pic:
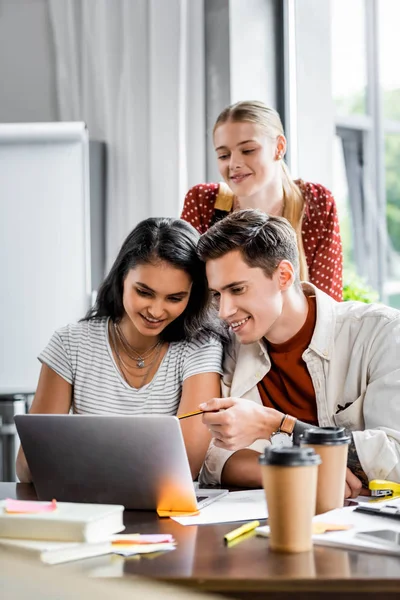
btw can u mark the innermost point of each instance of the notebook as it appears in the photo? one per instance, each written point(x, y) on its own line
point(70, 522)
point(54, 553)
point(137, 461)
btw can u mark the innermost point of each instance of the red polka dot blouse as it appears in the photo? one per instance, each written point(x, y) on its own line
point(321, 235)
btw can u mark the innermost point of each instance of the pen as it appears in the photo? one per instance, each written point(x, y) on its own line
point(232, 535)
point(393, 512)
point(192, 414)
point(196, 412)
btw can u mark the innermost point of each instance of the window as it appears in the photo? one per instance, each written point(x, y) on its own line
point(341, 193)
point(366, 91)
point(389, 15)
point(349, 71)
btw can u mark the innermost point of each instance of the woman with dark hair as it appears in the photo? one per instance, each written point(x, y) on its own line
point(150, 345)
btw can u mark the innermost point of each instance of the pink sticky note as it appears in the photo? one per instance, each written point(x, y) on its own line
point(154, 538)
point(25, 506)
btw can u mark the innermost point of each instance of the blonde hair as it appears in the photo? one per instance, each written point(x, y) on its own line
point(293, 200)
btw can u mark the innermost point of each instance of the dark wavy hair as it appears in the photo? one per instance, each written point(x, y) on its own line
point(175, 242)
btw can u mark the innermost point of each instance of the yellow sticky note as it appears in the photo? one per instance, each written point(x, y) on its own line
point(325, 527)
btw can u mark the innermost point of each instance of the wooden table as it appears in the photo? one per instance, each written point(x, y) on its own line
point(247, 570)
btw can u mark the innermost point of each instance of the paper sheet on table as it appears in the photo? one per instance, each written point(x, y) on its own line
point(360, 522)
point(318, 528)
point(236, 506)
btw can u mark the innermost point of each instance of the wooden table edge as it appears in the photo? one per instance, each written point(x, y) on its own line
point(330, 585)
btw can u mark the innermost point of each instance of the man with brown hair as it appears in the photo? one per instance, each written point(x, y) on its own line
point(297, 358)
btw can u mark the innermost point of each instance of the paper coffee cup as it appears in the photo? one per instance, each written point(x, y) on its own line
point(289, 478)
point(332, 444)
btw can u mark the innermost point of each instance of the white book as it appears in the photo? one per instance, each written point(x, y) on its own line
point(54, 553)
point(70, 522)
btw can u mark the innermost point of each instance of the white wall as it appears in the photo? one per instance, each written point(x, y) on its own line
point(27, 77)
point(45, 254)
point(315, 108)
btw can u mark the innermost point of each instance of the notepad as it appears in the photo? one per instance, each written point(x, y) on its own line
point(71, 522)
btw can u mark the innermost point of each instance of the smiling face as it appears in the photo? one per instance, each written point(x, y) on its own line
point(247, 158)
point(154, 295)
point(249, 301)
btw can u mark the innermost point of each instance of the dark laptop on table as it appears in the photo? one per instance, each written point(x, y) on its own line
point(137, 461)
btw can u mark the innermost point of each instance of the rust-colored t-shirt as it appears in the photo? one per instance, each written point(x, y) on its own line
point(288, 386)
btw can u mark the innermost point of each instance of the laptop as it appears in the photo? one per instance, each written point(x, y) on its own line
point(137, 461)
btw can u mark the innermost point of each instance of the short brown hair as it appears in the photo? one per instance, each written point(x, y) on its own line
point(263, 241)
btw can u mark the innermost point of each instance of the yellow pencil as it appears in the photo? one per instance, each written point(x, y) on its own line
point(192, 414)
point(232, 535)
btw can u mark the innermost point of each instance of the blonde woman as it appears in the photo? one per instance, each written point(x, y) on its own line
point(250, 146)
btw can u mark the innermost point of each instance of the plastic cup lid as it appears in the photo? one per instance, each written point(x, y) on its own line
point(330, 436)
point(290, 457)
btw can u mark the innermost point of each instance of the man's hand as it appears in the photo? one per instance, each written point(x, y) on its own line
point(353, 485)
point(236, 423)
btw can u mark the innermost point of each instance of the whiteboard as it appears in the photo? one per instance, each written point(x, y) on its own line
point(44, 242)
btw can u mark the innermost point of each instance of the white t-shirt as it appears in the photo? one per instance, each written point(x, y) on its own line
point(81, 354)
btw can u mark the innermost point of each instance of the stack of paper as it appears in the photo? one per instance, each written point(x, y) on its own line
point(359, 522)
point(58, 532)
point(53, 553)
point(236, 506)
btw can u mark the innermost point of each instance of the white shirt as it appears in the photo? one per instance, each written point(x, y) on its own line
point(354, 362)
